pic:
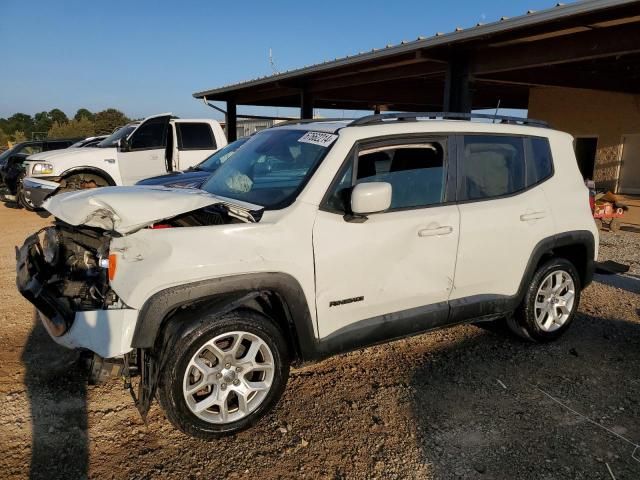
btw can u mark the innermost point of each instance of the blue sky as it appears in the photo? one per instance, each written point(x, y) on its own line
point(146, 57)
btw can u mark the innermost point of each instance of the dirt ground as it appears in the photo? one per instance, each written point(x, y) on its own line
point(458, 403)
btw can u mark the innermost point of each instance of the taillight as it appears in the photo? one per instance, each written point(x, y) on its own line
point(113, 262)
point(157, 226)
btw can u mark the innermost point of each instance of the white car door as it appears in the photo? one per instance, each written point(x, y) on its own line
point(144, 153)
point(504, 213)
point(195, 142)
point(392, 274)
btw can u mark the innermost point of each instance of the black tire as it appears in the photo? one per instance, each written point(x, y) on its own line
point(170, 388)
point(21, 199)
point(523, 322)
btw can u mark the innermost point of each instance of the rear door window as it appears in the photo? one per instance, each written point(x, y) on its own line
point(491, 166)
point(195, 136)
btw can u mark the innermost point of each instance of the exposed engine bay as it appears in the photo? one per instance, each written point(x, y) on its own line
point(213, 215)
point(63, 269)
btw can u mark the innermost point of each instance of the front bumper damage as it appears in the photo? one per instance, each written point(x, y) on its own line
point(37, 190)
point(106, 331)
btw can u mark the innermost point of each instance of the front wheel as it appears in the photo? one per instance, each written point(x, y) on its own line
point(227, 373)
point(550, 302)
point(22, 200)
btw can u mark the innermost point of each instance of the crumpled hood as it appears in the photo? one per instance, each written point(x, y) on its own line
point(127, 209)
point(51, 155)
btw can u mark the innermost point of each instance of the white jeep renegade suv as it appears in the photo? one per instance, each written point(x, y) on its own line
point(315, 238)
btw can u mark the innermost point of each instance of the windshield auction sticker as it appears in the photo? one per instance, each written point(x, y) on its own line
point(318, 138)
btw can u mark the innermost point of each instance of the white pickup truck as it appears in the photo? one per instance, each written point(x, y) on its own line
point(154, 146)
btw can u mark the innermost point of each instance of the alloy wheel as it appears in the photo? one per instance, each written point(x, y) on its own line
point(228, 377)
point(554, 300)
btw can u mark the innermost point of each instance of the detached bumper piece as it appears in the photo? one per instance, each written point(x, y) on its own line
point(37, 190)
point(32, 276)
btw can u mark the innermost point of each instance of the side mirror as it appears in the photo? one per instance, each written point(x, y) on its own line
point(124, 145)
point(370, 197)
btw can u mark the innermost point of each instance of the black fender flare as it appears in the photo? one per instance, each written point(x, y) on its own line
point(91, 170)
point(224, 294)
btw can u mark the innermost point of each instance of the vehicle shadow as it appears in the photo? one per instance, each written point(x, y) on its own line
point(57, 393)
point(628, 282)
point(491, 418)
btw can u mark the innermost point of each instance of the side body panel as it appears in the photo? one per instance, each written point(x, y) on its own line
point(384, 265)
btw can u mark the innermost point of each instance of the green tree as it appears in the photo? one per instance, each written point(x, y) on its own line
point(57, 115)
point(74, 128)
point(84, 113)
point(42, 122)
point(19, 122)
point(109, 119)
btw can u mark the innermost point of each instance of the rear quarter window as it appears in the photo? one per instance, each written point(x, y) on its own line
point(539, 161)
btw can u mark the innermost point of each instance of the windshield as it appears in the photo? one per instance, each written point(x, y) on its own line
point(212, 163)
point(271, 168)
point(112, 140)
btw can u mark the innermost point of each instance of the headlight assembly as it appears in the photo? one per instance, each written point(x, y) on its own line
point(42, 169)
point(50, 246)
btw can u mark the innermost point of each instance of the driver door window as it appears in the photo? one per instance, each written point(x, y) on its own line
point(416, 172)
point(151, 135)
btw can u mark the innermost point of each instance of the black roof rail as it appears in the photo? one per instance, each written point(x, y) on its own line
point(302, 121)
point(416, 116)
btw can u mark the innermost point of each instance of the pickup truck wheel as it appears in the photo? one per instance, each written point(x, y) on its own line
point(550, 302)
point(23, 201)
point(228, 372)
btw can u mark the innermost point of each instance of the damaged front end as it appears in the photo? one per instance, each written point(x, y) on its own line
point(63, 270)
point(66, 271)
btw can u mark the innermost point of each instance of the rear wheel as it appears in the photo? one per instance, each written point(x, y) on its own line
point(227, 373)
point(550, 302)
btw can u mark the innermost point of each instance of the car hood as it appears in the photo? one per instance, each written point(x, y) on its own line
point(193, 178)
point(68, 152)
point(128, 209)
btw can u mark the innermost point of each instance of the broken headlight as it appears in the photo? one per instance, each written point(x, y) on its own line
point(50, 246)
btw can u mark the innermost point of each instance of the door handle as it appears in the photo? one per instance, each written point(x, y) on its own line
point(526, 217)
point(432, 232)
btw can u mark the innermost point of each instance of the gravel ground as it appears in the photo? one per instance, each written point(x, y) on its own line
point(458, 403)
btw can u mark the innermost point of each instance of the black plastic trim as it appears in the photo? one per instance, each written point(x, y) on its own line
point(227, 290)
point(385, 328)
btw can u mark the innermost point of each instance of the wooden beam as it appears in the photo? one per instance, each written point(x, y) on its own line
point(422, 69)
point(596, 43)
point(604, 77)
